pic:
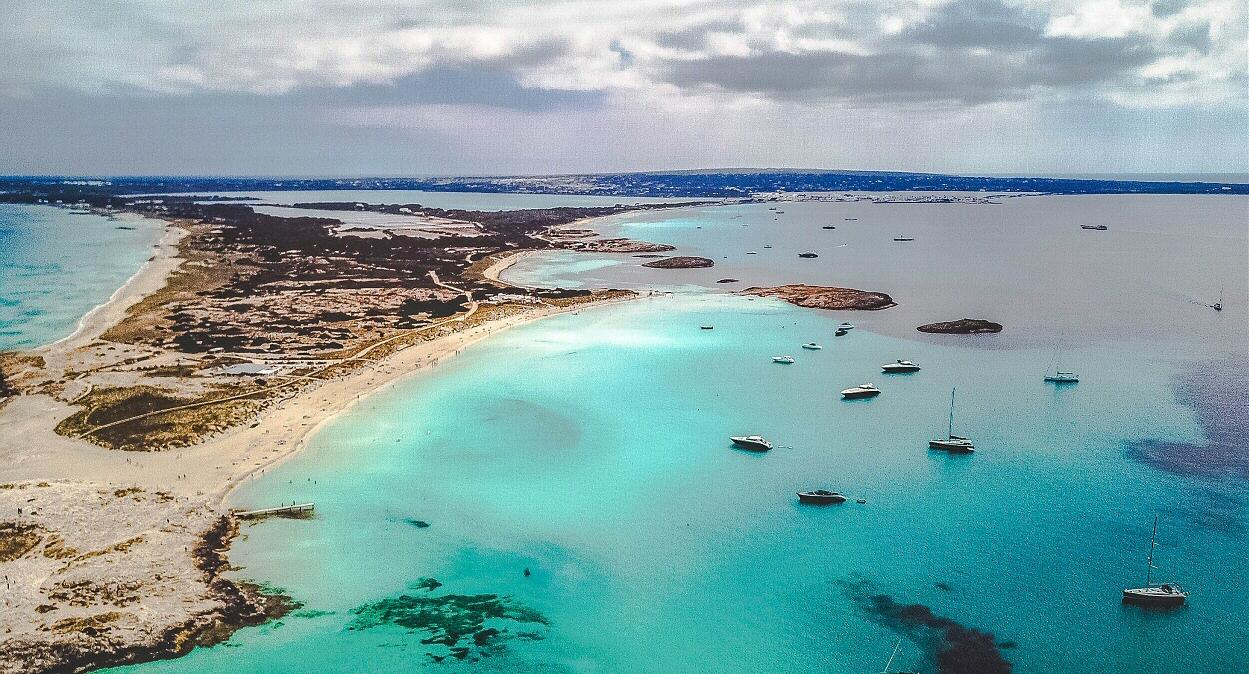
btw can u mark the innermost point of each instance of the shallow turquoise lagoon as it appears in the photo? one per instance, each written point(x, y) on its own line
point(592, 450)
point(55, 266)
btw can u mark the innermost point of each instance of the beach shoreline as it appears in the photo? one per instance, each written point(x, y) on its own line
point(193, 483)
point(147, 279)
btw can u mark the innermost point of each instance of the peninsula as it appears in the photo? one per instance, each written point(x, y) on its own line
point(240, 336)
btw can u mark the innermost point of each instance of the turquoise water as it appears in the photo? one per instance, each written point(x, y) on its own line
point(591, 449)
point(56, 266)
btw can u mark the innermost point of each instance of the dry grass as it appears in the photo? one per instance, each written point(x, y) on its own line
point(200, 272)
point(17, 539)
point(163, 429)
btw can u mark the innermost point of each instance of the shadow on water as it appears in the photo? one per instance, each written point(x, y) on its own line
point(1216, 392)
point(952, 647)
point(460, 626)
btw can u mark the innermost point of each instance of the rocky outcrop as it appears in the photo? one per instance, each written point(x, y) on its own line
point(114, 577)
point(823, 297)
point(680, 262)
point(618, 246)
point(963, 326)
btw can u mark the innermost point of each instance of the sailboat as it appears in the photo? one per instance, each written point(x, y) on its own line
point(952, 443)
point(1059, 376)
point(1165, 594)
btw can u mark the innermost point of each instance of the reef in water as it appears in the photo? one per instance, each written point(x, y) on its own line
point(952, 647)
point(460, 626)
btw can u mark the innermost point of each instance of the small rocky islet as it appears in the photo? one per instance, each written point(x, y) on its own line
point(680, 262)
point(825, 297)
point(963, 326)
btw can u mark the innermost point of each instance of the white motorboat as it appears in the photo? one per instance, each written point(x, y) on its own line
point(787, 360)
point(755, 443)
point(860, 391)
point(900, 366)
point(812, 346)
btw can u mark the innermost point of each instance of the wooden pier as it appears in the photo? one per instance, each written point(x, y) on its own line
point(293, 510)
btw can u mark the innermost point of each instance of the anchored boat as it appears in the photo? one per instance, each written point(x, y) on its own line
point(755, 443)
point(900, 366)
point(955, 444)
point(860, 391)
point(1164, 594)
point(787, 360)
point(820, 497)
point(812, 346)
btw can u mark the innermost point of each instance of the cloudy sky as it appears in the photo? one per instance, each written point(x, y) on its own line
point(384, 87)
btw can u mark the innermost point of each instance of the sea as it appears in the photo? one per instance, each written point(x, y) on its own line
point(563, 496)
point(56, 265)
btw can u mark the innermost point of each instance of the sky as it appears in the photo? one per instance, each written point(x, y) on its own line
point(466, 87)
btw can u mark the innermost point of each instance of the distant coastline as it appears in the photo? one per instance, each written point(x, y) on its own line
point(715, 183)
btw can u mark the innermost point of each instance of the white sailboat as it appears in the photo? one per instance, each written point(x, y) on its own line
point(1164, 594)
point(952, 443)
point(1058, 376)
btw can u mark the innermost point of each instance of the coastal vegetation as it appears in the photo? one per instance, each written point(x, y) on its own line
point(824, 297)
point(963, 326)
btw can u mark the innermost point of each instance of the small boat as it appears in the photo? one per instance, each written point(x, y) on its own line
point(807, 255)
point(903, 238)
point(829, 227)
point(846, 326)
point(707, 327)
point(767, 245)
point(752, 252)
point(812, 346)
point(841, 332)
point(900, 366)
point(1165, 594)
point(860, 391)
point(955, 444)
point(849, 218)
point(821, 497)
point(1098, 228)
point(1059, 376)
point(788, 360)
point(755, 443)
point(1218, 306)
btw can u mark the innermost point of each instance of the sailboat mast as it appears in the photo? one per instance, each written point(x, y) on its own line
point(889, 664)
point(949, 431)
point(1153, 542)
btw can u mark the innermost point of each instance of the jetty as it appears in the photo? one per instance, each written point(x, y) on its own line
point(292, 510)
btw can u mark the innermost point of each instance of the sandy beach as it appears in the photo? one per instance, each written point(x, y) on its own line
point(30, 449)
point(160, 501)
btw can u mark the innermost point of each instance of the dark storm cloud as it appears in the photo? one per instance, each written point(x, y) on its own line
point(451, 85)
point(966, 53)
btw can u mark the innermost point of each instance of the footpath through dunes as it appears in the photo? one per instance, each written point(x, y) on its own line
point(243, 335)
